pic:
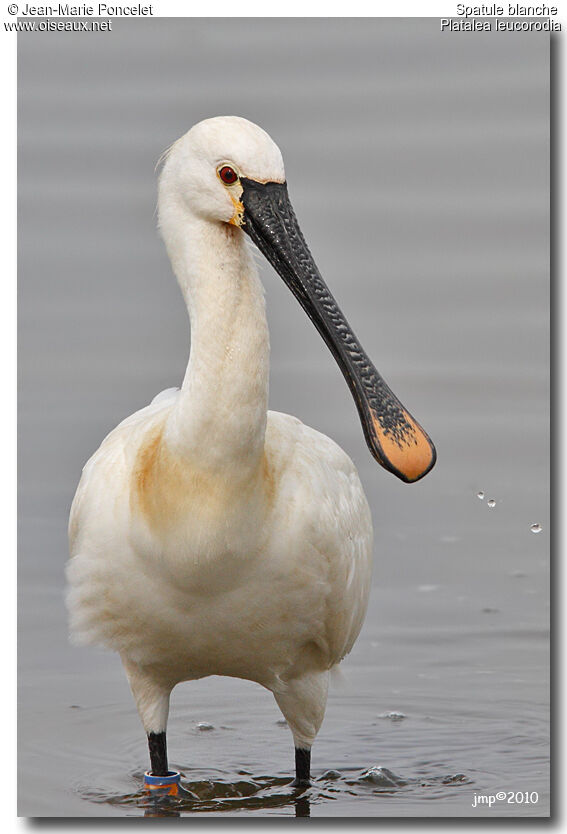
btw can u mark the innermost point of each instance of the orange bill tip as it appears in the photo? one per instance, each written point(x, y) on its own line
point(405, 450)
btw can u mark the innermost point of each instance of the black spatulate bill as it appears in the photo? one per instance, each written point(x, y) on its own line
point(394, 437)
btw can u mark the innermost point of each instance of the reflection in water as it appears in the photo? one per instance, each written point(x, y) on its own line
point(267, 793)
point(302, 809)
point(166, 806)
point(302, 806)
point(263, 793)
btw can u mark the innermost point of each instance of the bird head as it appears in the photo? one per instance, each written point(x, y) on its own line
point(228, 170)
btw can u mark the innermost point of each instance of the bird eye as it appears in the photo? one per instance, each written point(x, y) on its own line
point(228, 175)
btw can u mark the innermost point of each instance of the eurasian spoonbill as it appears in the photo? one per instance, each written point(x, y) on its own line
point(208, 535)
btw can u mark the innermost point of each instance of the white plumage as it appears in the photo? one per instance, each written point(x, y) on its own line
point(208, 535)
point(273, 588)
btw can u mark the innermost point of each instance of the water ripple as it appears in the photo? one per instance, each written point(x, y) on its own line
point(265, 793)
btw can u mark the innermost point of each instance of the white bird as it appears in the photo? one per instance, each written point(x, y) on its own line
point(208, 535)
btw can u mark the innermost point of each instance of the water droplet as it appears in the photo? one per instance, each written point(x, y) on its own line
point(480, 495)
point(491, 503)
point(536, 528)
point(204, 726)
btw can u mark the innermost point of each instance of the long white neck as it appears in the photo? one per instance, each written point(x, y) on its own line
point(220, 416)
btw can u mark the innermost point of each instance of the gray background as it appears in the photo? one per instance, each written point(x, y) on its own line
point(418, 164)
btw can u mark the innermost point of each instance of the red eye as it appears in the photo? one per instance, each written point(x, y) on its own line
point(228, 175)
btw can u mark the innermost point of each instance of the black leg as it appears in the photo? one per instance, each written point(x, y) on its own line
point(302, 768)
point(158, 754)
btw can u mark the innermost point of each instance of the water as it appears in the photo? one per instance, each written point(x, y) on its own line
point(464, 732)
point(440, 262)
point(472, 686)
